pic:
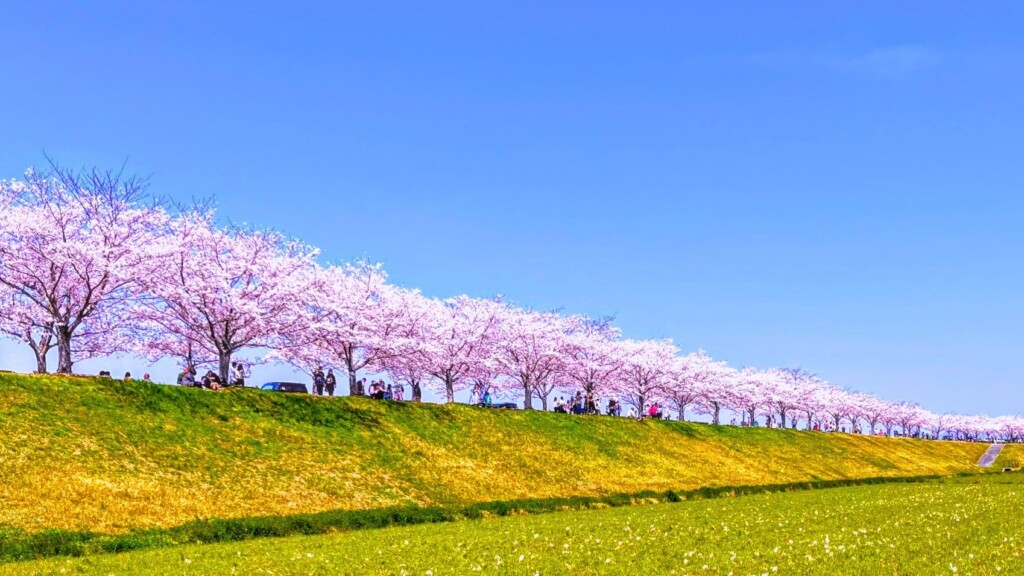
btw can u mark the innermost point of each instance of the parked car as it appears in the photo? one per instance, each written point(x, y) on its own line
point(500, 405)
point(285, 387)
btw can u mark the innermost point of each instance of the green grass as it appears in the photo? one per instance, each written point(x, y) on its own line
point(85, 454)
point(1011, 456)
point(19, 545)
point(956, 526)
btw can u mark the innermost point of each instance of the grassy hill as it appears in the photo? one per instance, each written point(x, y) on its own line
point(106, 456)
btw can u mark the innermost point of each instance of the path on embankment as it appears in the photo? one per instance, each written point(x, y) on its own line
point(990, 455)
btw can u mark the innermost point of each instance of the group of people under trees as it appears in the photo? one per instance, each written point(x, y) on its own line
point(324, 383)
point(586, 403)
point(127, 376)
point(189, 377)
point(378, 389)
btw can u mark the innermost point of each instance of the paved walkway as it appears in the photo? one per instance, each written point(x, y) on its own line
point(990, 455)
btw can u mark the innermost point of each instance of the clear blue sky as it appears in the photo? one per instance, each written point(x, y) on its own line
point(782, 184)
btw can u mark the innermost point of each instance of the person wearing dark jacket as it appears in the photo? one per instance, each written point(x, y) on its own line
point(331, 382)
point(319, 382)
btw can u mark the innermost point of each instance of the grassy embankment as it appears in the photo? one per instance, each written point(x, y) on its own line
point(1011, 456)
point(110, 457)
point(963, 525)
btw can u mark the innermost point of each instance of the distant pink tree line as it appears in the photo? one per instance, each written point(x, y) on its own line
point(91, 265)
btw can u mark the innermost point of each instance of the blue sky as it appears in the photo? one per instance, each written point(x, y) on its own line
point(794, 184)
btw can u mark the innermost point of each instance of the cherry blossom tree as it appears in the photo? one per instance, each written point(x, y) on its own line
point(646, 370)
point(714, 389)
point(788, 390)
point(225, 290)
point(458, 341)
point(693, 380)
point(73, 247)
point(355, 321)
point(869, 409)
point(589, 355)
point(749, 393)
point(528, 348)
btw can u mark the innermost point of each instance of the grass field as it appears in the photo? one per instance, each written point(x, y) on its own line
point(106, 456)
point(1011, 456)
point(956, 526)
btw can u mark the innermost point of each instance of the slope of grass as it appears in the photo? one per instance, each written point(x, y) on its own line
point(965, 526)
point(106, 456)
point(1011, 456)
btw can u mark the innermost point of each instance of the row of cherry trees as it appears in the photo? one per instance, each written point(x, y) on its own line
point(90, 266)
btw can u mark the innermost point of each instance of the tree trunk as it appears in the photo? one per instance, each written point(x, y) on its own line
point(63, 350)
point(225, 366)
point(352, 383)
point(353, 390)
point(417, 392)
point(449, 389)
point(39, 350)
point(716, 412)
point(528, 395)
point(782, 418)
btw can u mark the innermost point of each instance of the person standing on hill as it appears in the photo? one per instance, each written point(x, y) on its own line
point(331, 382)
point(319, 382)
point(238, 374)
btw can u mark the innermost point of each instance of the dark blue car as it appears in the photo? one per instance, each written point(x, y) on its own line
point(285, 387)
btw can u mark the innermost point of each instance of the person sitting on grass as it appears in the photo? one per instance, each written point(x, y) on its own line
point(187, 378)
point(377, 390)
point(654, 411)
point(127, 376)
point(399, 393)
point(211, 381)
